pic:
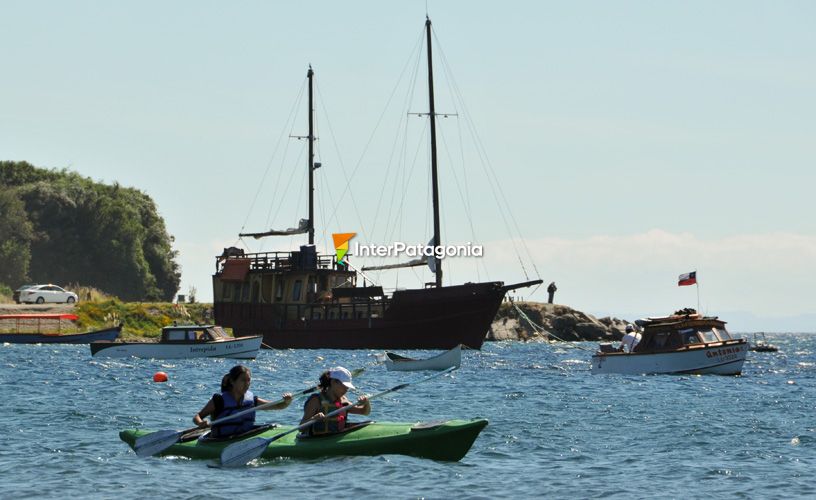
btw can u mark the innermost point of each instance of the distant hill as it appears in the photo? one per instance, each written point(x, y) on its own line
point(59, 227)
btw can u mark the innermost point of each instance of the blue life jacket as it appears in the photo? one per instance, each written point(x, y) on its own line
point(329, 425)
point(230, 406)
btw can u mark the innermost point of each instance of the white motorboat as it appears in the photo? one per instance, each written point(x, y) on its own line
point(180, 342)
point(397, 363)
point(681, 343)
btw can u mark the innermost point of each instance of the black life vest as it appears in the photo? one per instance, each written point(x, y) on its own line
point(229, 406)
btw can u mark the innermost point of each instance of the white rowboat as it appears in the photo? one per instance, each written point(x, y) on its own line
point(397, 363)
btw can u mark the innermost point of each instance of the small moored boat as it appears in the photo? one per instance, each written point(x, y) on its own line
point(762, 344)
point(181, 342)
point(397, 363)
point(680, 343)
point(14, 329)
point(449, 440)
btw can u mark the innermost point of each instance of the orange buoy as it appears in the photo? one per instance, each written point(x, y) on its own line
point(159, 377)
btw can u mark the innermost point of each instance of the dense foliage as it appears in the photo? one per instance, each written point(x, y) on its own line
point(15, 238)
point(59, 227)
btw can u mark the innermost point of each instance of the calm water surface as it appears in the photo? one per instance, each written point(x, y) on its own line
point(555, 430)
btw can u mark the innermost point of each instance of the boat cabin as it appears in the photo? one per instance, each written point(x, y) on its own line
point(193, 333)
point(291, 286)
point(670, 333)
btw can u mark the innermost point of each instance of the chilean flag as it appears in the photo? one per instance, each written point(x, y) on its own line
point(687, 279)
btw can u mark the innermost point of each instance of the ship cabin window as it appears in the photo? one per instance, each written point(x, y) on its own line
point(256, 291)
point(345, 315)
point(324, 283)
point(245, 292)
point(316, 315)
point(311, 289)
point(708, 336)
point(689, 336)
point(721, 333)
point(296, 290)
point(279, 290)
point(226, 291)
point(359, 314)
point(332, 314)
point(176, 335)
point(236, 292)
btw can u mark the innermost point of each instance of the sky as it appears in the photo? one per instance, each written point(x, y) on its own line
point(617, 144)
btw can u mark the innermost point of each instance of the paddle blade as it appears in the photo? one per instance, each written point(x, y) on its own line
point(243, 452)
point(155, 442)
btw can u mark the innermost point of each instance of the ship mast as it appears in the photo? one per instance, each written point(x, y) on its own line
point(310, 74)
point(437, 241)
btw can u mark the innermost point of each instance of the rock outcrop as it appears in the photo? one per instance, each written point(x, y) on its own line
point(552, 322)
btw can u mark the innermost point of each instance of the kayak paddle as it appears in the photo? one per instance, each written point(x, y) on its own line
point(243, 452)
point(157, 442)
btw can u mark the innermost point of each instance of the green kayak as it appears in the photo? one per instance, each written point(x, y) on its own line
point(448, 440)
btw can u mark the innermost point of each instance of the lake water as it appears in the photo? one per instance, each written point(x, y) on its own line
point(555, 430)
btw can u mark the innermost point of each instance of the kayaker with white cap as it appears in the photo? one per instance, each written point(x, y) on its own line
point(334, 384)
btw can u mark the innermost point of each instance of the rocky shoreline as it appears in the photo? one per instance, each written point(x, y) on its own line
point(552, 322)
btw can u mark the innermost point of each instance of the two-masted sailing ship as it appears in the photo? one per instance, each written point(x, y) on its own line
point(302, 299)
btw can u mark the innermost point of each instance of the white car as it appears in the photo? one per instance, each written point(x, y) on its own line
point(47, 293)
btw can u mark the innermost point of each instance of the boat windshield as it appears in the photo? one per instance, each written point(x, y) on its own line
point(217, 332)
point(707, 334)
point(689, 336)
point(721, 333)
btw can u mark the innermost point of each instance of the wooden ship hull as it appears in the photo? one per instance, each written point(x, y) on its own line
point(432, 318)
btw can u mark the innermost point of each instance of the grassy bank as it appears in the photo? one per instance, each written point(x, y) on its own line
point(140, 319)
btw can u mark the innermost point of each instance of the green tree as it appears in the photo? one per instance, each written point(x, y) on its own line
point(15, 239)
point(100, 235)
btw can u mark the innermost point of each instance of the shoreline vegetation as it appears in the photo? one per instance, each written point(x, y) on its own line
point(144, 320)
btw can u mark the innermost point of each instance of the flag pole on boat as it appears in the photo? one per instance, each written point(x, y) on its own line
point(687, 279)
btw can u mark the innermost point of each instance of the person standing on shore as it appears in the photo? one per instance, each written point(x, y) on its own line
point(551, 290)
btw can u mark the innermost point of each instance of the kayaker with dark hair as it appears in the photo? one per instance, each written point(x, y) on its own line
point(235, 396)
point(334, 384)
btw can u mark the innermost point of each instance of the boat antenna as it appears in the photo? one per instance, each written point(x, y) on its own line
point(310, 75)
point(434, 178)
